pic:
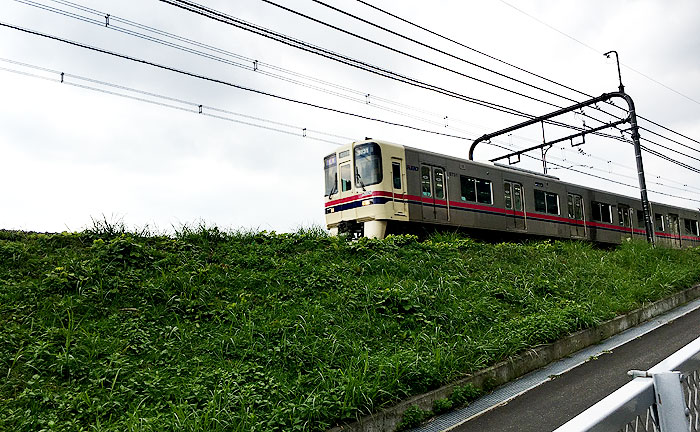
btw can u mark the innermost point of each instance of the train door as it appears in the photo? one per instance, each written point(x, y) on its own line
point(624, 216)
point(575, 208)
point(674, 228)
point(515, 206)
point(397, 187)
point(345, 170)
point(433, 193)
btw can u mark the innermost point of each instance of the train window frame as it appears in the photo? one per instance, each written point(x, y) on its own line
point(624, 216)
point(517, 196)
point(367, 159)
point(543, 202)
point(396, 175)
point(330, 170)
point(658, 217)
point(640, 219)
point(599, 209)
point(345, 182)
point(474, 189)
point(507, 194)
point(439, 183)
point(690, 227)
point(426, 180)
point(575, 212)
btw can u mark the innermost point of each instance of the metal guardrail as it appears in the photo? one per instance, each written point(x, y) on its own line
point(666, 398)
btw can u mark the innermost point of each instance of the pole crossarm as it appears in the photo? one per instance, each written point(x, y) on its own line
point(631, 118)
point(566, 138)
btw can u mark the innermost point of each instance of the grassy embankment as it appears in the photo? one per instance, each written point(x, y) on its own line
point(206, 330)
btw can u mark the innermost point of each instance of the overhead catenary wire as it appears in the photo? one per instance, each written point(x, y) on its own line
point(421, 59)
point(222, 82)
point(117, 19)
point(197, 109)
point(451, 40)
point(597, 51)
point(261, 69)
point(224, 18)
point(296, 43)
point(193, 108)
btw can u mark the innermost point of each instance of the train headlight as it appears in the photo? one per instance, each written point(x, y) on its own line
point(366, 202)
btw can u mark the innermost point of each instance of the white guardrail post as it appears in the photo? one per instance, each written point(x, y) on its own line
point(666, 398)
point(669, 402)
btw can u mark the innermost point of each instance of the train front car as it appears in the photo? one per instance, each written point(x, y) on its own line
point(365, 188)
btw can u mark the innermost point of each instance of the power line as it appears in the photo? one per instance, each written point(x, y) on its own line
point(229, 20)
point(226, 83)
point(434, 64)
point(253, 65)
point(530, 73)
point(467, 138)
point(599, 52)
point(196, 108)
point(416, 57)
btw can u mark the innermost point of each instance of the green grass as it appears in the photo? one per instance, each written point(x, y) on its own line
point(210, 330)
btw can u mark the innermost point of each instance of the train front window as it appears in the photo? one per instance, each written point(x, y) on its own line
point(345, 177)
point(330, 168)
point(368, 164)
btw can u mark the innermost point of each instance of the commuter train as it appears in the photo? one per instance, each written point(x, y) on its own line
point(374, 188)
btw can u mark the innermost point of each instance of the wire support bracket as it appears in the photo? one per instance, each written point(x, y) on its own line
point(634, 128)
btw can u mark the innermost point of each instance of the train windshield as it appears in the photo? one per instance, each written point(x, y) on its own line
point(330, 167)
point(368, 164)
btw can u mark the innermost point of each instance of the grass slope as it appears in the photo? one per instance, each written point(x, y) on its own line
point(207, 330)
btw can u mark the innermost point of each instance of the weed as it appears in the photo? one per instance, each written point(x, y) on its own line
point(114, 330)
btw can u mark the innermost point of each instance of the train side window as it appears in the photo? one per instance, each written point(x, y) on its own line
point(546, 202)
point(507, 194)
point(601, 212)
point(396, 174)
point(483, 191)
point(468, 188)
point(476, 190)
point(552, 203)
point(575, 206)
point(540, 203)
point(426, 188)
point(517, 196)
point(640, 219)
point(345, 178)
point(623, 215)
point(691, 226)
point(658, 222)
point(439, 183)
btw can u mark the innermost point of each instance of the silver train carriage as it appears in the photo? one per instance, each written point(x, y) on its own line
point(374, 187)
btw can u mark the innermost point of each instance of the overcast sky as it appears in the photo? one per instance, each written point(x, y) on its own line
point(71, 154)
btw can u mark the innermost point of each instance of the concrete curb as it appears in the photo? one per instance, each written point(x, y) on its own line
point(514, 367)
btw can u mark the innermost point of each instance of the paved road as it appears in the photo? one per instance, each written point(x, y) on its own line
point(553, 403)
